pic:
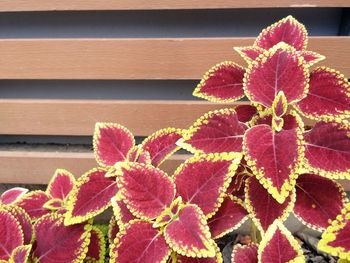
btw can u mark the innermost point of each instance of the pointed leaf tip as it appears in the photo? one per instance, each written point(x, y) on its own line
point(111, 142)
point(287, 30)
point(61, 184)
point(274, 157)
point(189, 234)
point(263, 208)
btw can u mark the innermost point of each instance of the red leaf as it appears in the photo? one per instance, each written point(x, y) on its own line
point(24, 220)
point(146, 190)
point(249, 53)
point(97, 246)
point(313, 206)
point(278, 245)
point(287, 30)
point(11, 235)
point(21, 254)
point(311, 57)
point(189, 234)
point(222, 83)
point(139, 242)
point(245, 112)
point(245, 254)
point(263, 208)
point(217, 131)
point(12, 195)
point(121, 212)
point(111, 142)
point(328, 97)
point(91, 196)
point(203, 179)
point(56, 242)
point(335, 240)
point(61, 184)
point(278, 69)
point(231, 215)
point(162, 144)
point(274, 157)
point(327, 150)
point(33, 204)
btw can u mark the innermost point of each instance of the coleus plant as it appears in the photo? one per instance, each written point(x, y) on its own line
point(259, 160)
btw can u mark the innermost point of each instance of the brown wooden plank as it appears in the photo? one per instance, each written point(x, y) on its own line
point(175, 58)
point(62, 5)
point(78, 117)
point(21, 167)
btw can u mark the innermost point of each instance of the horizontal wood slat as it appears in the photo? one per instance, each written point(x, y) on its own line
point(38, 167)
point(61, 5)
point(177, 58)
point(78, 117)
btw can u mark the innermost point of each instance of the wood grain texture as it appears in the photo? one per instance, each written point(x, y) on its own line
point(78, 117)
point(63, 5)
point(177, 58)
point(37, 167)
point(27, 167)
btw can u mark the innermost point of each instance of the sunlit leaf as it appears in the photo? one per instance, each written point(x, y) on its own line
point(139, 242)
point(328, 98)
point(33, 203)
point(215, 132)
point(91, 196)
point(263, 208)
point(319, 200)
point(231, 215)
point(61, 184)
point(161, 144)
point(278, 69)
point(112, 143)
point(146, 190)
point(203, 179)
point(327, 150)
point(189, 234)
point(222, 83)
